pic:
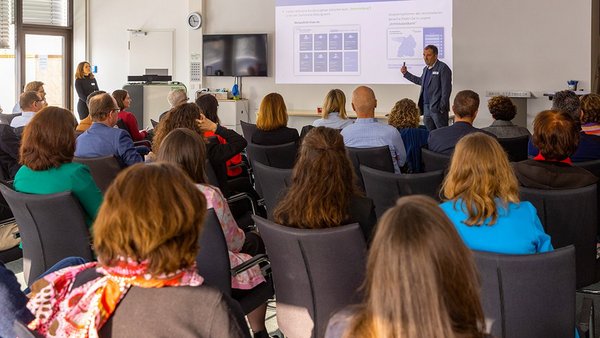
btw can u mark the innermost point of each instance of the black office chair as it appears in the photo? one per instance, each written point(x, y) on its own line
point(213, 265)
point(52, 227)
point(316, 273)
point(378, 158)
point(515, 147)
point(7, 118)
point(248, 130)
point(385, 188)
point(570, 217)
point(103, 169)
point(591, 166)
point(277, 156)
point(433, 161)
point(529, 295)
point(273, 182)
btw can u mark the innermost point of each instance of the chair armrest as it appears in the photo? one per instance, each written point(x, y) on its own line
point(242, 196)
point(585, 321)
point(258, 259)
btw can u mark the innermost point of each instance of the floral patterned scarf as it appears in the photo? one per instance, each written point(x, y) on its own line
point(63, 311)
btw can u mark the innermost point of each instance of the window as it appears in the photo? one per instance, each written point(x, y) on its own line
point(46, 12)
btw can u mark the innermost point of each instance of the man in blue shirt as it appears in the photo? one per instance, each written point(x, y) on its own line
point(367, 132)
point(101, 139)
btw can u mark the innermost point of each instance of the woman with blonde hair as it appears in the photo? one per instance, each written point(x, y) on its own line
point(141, 244)
point(405, 117)
point(421, 280)
point(85, 84)
point(323, 192)
point(333, 114)
point(271, 122)
point(482, 200)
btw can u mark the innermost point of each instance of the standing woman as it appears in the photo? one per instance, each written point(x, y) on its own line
point(85, 84)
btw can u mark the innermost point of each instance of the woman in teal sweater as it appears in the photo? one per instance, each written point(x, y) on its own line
point(47, 150)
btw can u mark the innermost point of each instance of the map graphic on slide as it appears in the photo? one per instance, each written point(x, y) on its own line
point(327, 50)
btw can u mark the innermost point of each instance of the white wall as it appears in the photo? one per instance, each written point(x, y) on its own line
point(109, 21)
point(534, 45)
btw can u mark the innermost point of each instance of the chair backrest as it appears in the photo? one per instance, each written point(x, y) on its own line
point(213, 257)
point(515, 147)
point(121, 125)
point(529, 295)
point(305, 130)
point(52, 227)
point(570, 216)
point(7, 118)
point(154, 123)
point(19, 131)
point(248, 130)
point(273, 182)
point(377, 158)
point(433, 161)
point(385, 188)
point(591, 166)
point(278, 156)
point(103, 169)
point(316, 272)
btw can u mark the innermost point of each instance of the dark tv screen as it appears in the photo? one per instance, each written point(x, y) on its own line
point(235, 55)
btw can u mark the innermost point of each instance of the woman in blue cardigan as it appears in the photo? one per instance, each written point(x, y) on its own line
point(483, 201)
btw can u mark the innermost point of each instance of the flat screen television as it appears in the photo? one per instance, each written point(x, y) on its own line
point(235, 55)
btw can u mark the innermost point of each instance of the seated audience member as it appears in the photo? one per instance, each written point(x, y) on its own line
point(589, 137)
point(186, 148)
point(33, 86)
point(271, 122)
point(323, 191)
point(175, 97)
point(465, 108)
point(333, 112)
point(405, 117)
point(566, 101)
point(209, 105)
point(188, 116)
point(46, 154)
point(86, 123)
point(482, 200)
point(30, 102)
point(9, 152)
point(101, 139)
point(503, 110)
point(367, 132)
point(14, 301)
point(421, 280)
point(141, 243)
point(124, 101)
point(556, 135)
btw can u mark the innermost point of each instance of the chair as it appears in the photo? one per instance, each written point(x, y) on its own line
point(529, 295)
point(385, 188)
point(316, 273)
point(103, 169)
point(305, 130)
point(19, 131)
point(7, 118)
point(591, 166)
point(570, 217)
point(248, 130)
point(433, 161)
point(281, 156)
point(213, 265)
point(154, 123)
point(515, 147)
point(211, 177)
point(22, 331)
point(52, 227)
point(377, 157)
point(274, 182)
point(121, 124)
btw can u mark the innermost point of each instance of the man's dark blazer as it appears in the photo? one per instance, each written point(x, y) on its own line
point(439, 87)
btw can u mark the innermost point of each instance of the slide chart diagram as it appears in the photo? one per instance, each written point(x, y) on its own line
point(327, 50)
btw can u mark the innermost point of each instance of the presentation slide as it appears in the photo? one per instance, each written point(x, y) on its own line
point(358, 42)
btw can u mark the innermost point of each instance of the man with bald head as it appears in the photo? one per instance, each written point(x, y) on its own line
point(367, 132)
point(101, 139)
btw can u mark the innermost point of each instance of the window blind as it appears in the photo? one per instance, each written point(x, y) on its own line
point(45, 12)
point(5, 21)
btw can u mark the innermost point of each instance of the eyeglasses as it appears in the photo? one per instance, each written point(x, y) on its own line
point(115, 110)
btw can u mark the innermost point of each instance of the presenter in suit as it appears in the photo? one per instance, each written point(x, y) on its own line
point(436, 86)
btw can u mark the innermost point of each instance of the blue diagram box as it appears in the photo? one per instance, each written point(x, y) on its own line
point(335, 41)
point(336, 61)
point(351, 41)
point(306, 41)
point(306, 62)
point(434, 36)
point(320, 42)
point(350, 61)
